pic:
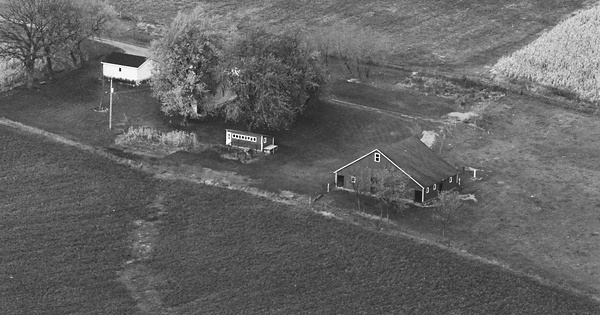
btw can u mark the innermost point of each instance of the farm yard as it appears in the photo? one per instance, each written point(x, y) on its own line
point(82, 234)
point(172, 245)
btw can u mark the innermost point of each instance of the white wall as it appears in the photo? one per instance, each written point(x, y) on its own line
point(125, 73)
point(145, 71)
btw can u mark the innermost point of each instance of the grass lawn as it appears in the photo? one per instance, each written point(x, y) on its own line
point(539, 166)
point(457, 35)
point(71, 224)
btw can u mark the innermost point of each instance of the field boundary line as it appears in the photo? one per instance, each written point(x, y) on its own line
point(383, 111)
point(60, 139)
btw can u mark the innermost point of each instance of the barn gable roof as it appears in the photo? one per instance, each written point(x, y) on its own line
point(416, 160)
point(127, 60)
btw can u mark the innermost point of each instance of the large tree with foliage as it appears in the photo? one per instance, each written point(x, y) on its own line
point(273, 76)
point(189, 63)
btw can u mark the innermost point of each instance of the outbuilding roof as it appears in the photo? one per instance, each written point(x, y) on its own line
point(416, 160)
point(125, 59)
point(245, 133)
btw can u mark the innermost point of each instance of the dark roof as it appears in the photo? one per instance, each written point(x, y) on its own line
point(419, 161)
point(246, 133)
point(125, 59)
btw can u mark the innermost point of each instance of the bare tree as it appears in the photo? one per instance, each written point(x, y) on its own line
point(447, 210)
point(25, 28)
point(390, 187)
point(359, 47)
point(33, 30)
point(89, 18)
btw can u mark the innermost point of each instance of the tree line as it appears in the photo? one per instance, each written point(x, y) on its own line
point(45, 32)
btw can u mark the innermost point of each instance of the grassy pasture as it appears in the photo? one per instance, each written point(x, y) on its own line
point(449, 34)
point(217, 251)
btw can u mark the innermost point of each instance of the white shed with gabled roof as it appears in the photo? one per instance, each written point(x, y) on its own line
point(125, 67)
point(250, 140)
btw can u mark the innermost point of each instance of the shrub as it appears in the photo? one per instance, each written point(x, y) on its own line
point(174, 139)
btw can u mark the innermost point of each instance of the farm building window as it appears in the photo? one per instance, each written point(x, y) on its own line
point(427, 190)
point(450, 179)
point(119, 69)
point(377, 157)
point(434, 186)
point(253, 139)
point(353, 179)
point(228, 136)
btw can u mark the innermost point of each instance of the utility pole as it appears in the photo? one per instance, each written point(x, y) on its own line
point(110, 106)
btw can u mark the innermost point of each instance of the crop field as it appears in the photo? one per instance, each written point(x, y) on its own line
point(71, 225)
point(566, 57)
point(452, 34)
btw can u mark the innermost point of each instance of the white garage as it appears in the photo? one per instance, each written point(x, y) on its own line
point(125, 67)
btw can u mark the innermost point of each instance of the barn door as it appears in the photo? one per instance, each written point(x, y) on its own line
point(418, 195)
point(340, 181)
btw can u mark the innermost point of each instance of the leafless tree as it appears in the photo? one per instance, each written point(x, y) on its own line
point(358, 46)
point(447, 210)
point(34, 30)
point(25, 28)
point(390, 187)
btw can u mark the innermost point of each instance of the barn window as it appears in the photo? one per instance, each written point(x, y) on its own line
point(353, 179)
point(433, 186)
point(450, 179)
point(228, 136)
point(253, 139)
point(427, 190)
point(377, 157)
point(119, 69)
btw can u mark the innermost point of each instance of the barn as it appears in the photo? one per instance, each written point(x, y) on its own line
point(250, 140)
point(128, 68)
point(427, 172)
